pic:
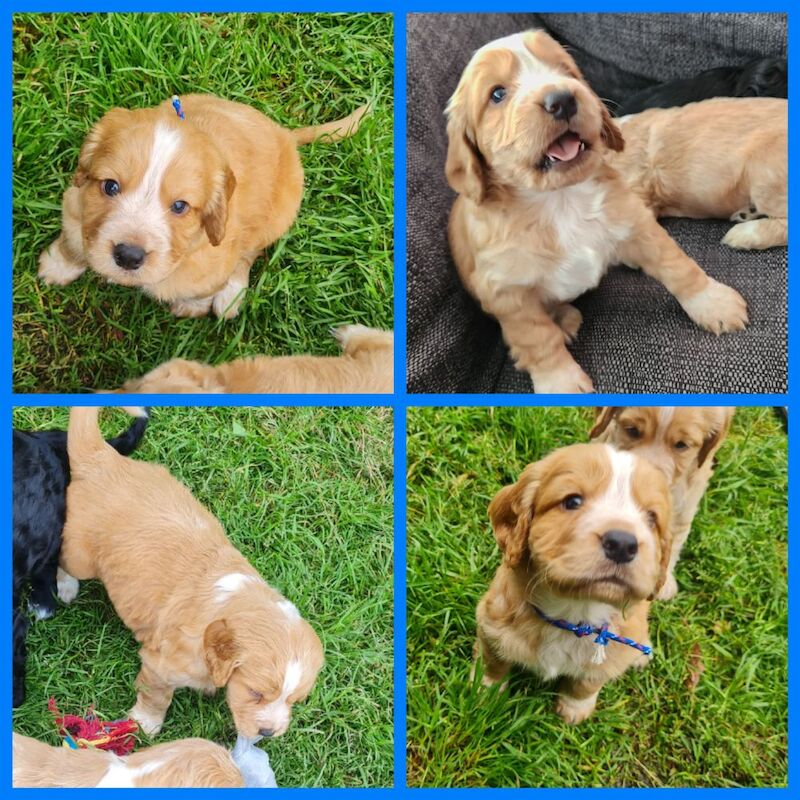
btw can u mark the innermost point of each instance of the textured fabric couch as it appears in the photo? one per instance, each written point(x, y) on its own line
point(635, 337)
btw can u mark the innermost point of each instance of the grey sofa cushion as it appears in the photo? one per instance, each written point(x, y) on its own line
point(635, 336)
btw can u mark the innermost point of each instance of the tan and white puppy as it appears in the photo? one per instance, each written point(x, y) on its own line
point(186, 763)
point(203, 616)
point(182, 208)
point(584, 535)
point(541, 214)
point(681, 441)
point(725, 158)
point(365, 366)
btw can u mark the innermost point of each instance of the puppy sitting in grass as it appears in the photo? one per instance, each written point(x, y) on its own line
point(585, 540)
point(180, 201)
point(203, 616)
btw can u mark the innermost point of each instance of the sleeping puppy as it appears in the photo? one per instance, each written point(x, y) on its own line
point(761, 77)
point(681, 443)
point(540, 214)
point(365, 366)
point(41, 475)
point(584, 535)
point(203, 616)
point(182, 207)
point(195, 763)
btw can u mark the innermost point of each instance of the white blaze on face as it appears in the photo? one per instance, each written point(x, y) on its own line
point(276, 715)
point(665, 415)
point(289, 610)
point(230, 583)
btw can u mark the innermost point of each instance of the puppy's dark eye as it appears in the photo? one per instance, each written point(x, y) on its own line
point(572, 502)
point(652, 519)
point(179, 207)
point(257, 696)
point(633, 432)
point(109, 187)
point(680, 445)
point(497, 94)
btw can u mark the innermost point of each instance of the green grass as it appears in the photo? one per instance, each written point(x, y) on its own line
point(306, 496)
point(334, 265)
point(649, 728)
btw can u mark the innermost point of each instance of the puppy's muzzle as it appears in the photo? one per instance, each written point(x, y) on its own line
point(619, 546)
point(561, 104)
point(266, 732)
point(128, 256)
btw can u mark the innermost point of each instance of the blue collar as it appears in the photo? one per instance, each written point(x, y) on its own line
point(604, 635)
point(176, 104)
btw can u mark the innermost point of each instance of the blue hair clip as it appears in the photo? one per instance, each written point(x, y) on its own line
point(176, 104)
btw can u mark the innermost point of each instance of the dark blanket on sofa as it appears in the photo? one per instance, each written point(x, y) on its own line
point(635, 337)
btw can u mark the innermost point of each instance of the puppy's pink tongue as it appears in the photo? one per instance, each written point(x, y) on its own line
point(566, 147)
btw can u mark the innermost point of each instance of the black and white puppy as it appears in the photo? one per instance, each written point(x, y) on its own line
point(762, 77)
point(41, 475)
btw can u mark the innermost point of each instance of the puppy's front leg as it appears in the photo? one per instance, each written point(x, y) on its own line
point(495, 670)
point(154, 696)
point(712, 305)
point(577, 700)
point(227, 301)
point(63, 262)
point(537, 343)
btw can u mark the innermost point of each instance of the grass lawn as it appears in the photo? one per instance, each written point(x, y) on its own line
point(650, 728)
point(306, 496)
point(334, 265)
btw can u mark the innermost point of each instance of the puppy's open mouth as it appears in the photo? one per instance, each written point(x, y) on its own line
point(566, 149)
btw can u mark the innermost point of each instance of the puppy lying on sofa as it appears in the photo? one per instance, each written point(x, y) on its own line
point(585, 538)
point(202, 615)
point(181, 207)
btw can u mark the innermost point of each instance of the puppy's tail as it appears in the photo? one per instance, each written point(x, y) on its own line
point(127, 442)
point(84, 440)
point(334, 131)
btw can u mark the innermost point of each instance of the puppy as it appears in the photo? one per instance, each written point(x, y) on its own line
point(761, 77)
point(681, 442)
point(365, 366)
point(585, 540)
point(195, 763)
point(182, 207)
point(668, 162)
point(41, 475)
point(540, 214)
point(203, 616)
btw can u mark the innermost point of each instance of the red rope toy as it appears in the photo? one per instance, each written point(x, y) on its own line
point(89, 731)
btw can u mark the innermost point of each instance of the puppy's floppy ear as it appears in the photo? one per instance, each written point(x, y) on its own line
point(214, 217)
point(716, 436)
point(610, 131)
point(511, 513)
point(664, 531)
point(466, 169)
point(221, 652)
point(602, 419)
point(112, 120)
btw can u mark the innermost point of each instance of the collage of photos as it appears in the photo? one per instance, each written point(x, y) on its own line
point(539, 539)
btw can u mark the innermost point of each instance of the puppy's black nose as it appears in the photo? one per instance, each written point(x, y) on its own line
point(561, 104)
point(619, 546)
point(265, 732)
point(128, 256)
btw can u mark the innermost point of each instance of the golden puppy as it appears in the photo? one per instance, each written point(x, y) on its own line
point(203, 616)
point(541, 214)
point(365, 366)
point(585, 540)
point(725, 158)
point(681, 442)
point(182, 207)
point(195, 763)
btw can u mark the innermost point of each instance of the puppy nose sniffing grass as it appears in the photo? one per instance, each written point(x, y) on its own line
point(181, 206)
point(202, 615)
point(585, 539)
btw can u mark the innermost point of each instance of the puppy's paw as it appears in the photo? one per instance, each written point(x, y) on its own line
point(354, 337)
point(41, 611)
point(54, 270)
point(488, 681)
point(191, 308)
point(570, 379)
point(569, 319)
point(149, 723)
point(669, 589)
point(717, 308)
point(66, 586)
point(574, 711)
point(748, 236)
point(227, 302)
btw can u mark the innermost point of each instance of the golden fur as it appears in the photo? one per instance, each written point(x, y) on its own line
point(554, 559)
point(239, 172)
point(186, 763)
point(365, 366)
point(725, 158)
point(681, 442)
point(530, 230)
point(202, 615)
